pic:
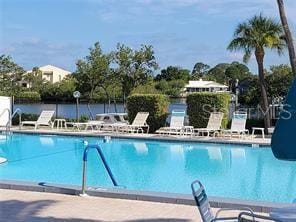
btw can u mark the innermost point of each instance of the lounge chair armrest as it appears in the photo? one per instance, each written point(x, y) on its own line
point(200, 129)
point(233, 209)
point(224, 219)
point(256, 216)
point(137, 126)
point(29, 121)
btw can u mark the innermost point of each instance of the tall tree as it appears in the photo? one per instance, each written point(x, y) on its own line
point(10, 74)
point(249, 91)
point(199, 70)
point(236, 72)
point(279, 80)
point(288, 35)
point(217, 73)
point(173, 73)
point(93, 71)
point(255, 35)
point(133, 67)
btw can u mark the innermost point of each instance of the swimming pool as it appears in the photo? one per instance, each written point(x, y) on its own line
point(233, 171)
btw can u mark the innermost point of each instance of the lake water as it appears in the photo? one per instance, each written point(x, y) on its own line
point(69, 110)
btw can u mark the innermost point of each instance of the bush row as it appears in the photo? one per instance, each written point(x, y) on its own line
point(23, 97)
point(155, 104)
point(200, 105)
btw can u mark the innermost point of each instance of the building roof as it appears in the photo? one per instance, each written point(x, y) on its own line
point(52, 68)
point(204, 84)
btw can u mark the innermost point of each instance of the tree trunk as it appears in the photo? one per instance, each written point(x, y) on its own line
point(288, 35)
point(259, 53)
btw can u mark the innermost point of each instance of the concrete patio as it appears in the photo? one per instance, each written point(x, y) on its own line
point(35, 206)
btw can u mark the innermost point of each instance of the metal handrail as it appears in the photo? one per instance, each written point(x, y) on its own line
point(19, 112)
point(9, 116)
point(97, 147)
point(4, 110)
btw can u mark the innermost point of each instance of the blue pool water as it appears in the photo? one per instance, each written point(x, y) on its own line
point(234, 171)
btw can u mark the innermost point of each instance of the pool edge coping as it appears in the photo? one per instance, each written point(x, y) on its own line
point(262, 144)
point(151, 196)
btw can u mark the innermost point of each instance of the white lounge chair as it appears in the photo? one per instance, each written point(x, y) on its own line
point(110, 121)
point(214, 125)
point(43, 120)
point(138, 125)
point(176, 124)
point(235, 214)
point(238, 125)
point(204, 207)
point(94, 124)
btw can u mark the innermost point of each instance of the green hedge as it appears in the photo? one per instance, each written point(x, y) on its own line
point(200, 105)
point(29, 96)
point(155, 104)
point(26, 96)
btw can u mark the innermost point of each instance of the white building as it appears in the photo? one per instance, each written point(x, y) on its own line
point(50, 73)
point(204, 86)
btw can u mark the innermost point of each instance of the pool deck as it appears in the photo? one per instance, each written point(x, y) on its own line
point(235, 140)
point(35, 207)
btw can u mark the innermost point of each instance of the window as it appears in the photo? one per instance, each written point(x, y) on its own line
point(48, 76)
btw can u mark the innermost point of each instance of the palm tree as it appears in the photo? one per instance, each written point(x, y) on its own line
point(288, 35)
point(255, 35)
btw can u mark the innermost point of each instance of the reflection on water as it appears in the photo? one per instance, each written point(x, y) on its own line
point(226, 170)
point(215, 153)
point(46, 141)
point(141, 148)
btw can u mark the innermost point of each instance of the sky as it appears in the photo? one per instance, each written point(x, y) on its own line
point(182, 32)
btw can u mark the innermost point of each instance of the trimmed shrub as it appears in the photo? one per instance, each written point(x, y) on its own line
point(200, 105)
point(29, 96)
point(155, 104)
point(23, 97)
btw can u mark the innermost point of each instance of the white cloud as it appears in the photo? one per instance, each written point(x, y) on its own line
point(41, 52)
point(228, 8)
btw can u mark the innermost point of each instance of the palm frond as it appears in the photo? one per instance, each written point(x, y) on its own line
point(247, 55)
point(258, 32)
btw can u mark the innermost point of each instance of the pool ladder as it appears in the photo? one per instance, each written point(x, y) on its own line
point(101, 155)
point(10, 117)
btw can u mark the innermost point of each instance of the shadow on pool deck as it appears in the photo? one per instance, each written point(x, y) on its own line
point(15, 210)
